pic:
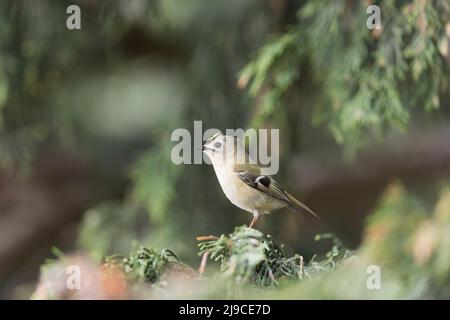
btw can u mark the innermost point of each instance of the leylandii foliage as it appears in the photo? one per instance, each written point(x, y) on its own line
point(110, 95)
point(369, 80)
point(406, 240)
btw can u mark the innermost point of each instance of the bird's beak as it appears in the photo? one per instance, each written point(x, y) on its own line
point(204, 148)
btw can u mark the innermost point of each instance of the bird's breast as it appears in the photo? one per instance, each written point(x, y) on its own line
point(240, 194)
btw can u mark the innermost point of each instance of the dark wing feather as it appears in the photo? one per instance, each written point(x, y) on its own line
point(270, 187)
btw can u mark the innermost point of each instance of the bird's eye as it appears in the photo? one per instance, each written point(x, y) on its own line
point(217, 144)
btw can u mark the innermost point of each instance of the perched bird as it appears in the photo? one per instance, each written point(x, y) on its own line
point(244, 183)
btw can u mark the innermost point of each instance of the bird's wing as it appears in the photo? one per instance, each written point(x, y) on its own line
point(250, 175)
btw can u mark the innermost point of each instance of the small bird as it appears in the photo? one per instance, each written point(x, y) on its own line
point(243, 182)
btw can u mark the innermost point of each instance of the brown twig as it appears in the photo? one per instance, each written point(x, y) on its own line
point(301, 266)
point(206, 238)
point(202, 267)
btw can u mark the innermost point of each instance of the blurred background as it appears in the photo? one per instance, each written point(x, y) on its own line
point(86, 118)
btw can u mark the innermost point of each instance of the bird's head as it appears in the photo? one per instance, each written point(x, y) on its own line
point(220, 147)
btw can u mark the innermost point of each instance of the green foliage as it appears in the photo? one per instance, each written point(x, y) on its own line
point(406, 240)
point(155, 177)
point(248, 260)
point(409, 239)
point(368, 80)
point(362, 84)
point(147, 265)
point(99, 237)
point(402, 237)
point(249, 257)
point(274, 65)
point(38, 56)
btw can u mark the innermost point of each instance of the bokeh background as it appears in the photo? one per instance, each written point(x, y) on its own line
point(86, 118)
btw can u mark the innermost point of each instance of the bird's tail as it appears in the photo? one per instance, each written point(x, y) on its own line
point(297, 206)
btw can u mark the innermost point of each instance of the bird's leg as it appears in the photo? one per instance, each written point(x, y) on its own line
point(253, 221)
point(255, 217)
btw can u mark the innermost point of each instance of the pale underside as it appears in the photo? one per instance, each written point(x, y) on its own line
point(244, 196)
